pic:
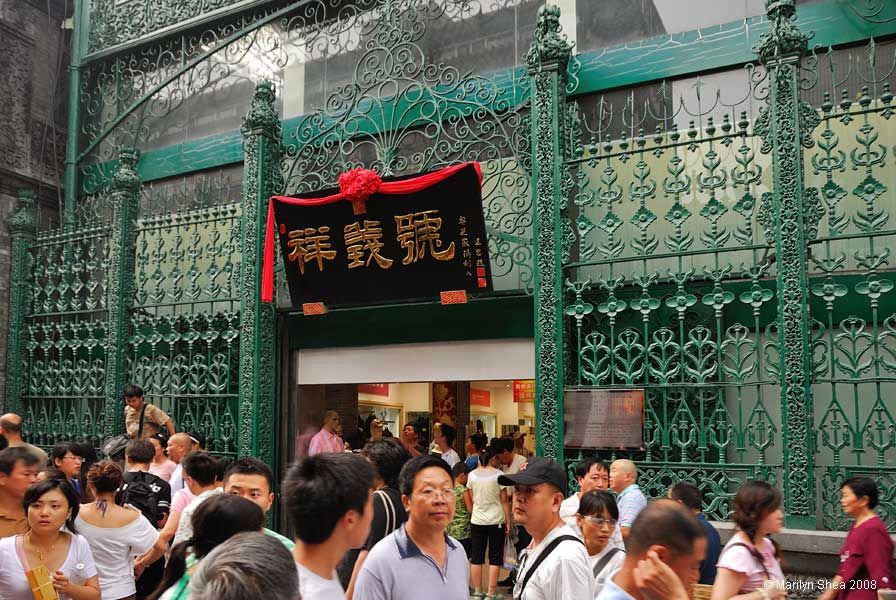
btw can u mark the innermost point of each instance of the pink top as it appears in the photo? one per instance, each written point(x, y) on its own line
point(324, 441)
point(181, 499)
point(866, 561)
point(741, 560)
point(163, 470)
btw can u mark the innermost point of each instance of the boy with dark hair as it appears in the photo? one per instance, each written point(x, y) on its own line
point(201, 476)
point(690, 496)
point(151, 495)
point(18, 470)
point(445, 436)
point(328, 496)
point(138, 458)
point(254, 480)
point(139, 412)
point(418, 560)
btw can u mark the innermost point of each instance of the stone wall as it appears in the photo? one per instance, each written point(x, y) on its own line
point(33, 99)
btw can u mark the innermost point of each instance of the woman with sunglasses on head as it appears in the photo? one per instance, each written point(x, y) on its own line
point(597, 518)
point(63, 554)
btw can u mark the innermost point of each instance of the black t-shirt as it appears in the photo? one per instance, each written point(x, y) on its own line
point(388, 515)
point(158, 485)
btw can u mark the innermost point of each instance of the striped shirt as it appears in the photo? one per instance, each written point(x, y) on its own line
point(631, 502)
point(324, 441)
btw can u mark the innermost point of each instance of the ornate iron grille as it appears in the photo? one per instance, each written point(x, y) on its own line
point(64, 334)
point(184, 343)
point(671, 280)
point(852, 305)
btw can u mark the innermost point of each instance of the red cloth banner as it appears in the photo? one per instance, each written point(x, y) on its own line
point(480, 397)
point(524, 390)
point(356, 187)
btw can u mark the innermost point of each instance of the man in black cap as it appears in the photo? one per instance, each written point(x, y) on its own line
point(555, 565)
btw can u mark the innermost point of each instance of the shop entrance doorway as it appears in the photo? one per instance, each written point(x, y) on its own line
point(475, 386)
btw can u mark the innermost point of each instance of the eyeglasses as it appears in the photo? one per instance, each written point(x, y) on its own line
point(73, 457)
point(600, 522)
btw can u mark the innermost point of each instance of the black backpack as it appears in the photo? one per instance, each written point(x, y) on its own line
point(141, 495)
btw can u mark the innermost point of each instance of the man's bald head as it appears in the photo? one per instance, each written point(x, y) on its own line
point(623, 473)
point(331, 420)
point(181, 437)
point(11, 424)
point(179, 445)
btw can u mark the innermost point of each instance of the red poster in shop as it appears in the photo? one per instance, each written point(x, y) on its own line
point(524, 390)
point(374, 389)
point(480, 397)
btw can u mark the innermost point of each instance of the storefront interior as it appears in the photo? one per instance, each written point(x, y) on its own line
point(494, 407)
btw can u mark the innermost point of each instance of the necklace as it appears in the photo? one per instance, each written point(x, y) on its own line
point(40, 551)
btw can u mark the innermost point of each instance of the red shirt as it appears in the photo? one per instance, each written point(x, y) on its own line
point(866, 556)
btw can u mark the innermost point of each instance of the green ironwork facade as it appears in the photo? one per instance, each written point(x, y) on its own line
point(728, 252)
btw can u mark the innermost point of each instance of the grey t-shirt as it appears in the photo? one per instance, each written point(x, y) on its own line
point(396, 569)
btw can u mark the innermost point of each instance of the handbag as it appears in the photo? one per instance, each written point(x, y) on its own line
point(39, 578)
point(114, 447)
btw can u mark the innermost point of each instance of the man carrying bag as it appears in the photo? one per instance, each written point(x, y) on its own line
point(555, 565)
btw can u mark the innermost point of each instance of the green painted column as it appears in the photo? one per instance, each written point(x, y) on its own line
point(786, 126)
point(80, 27)
point(22, 229)
point(261, 179)
point(547, 59)
point(120, 283)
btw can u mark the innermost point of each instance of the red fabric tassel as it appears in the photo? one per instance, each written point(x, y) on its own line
point(395, 188)
point(267, 269)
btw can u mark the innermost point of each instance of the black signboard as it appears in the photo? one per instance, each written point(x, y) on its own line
point(414, 237)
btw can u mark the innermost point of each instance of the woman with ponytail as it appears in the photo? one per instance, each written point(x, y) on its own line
point(216, 519)
point(115, 534)
point(489, 521)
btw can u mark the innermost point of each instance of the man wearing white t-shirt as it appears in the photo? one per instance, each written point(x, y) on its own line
point(445, 436)
point(200, 473)
point(330, 499)
point(591, 474)
point(555, 565)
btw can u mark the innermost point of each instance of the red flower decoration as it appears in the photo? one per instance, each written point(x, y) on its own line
point(358, 185)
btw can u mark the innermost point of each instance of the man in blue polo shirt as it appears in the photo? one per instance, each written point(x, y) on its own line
point(419, 560)
point(630, 499)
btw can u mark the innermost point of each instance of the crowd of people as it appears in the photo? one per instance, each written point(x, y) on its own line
point(399, 520)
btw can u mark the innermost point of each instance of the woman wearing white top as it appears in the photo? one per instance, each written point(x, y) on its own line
point(49, 505)
point(489, 522)
point(597, 518)
point(115, 534)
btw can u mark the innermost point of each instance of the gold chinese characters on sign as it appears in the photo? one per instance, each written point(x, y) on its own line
point(417, 233)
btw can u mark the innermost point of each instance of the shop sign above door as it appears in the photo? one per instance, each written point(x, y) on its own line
point(374, 240)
